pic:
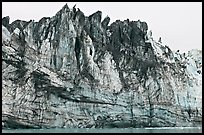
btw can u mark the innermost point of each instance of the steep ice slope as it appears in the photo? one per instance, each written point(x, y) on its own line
point(71, 70)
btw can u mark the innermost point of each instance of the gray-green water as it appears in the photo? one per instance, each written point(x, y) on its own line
point(109, 130)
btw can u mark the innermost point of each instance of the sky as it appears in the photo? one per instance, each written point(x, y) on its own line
point(179, 24)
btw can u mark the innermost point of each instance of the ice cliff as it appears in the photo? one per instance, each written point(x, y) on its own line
point(78, 71)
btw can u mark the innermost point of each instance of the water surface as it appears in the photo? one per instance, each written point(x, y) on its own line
point(109, 130)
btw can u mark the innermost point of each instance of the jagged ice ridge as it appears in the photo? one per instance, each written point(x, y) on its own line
point(72, 70)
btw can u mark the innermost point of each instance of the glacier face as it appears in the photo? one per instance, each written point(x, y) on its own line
point(71, 70)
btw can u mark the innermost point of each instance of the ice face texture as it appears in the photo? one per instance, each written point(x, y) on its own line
point(71, 70)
